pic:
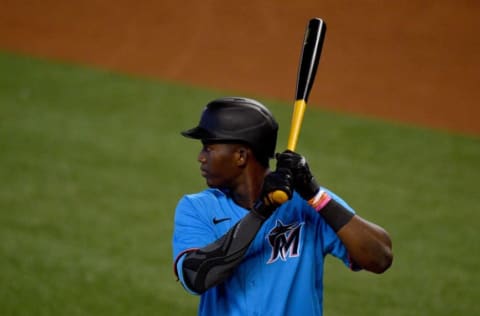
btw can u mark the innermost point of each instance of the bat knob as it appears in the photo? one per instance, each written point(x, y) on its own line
point(278, 197)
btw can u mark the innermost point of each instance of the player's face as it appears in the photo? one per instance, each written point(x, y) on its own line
point(218, 164)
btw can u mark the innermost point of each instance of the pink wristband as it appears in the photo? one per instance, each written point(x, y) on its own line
point(319, 200)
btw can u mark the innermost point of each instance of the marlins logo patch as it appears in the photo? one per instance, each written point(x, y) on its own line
point(284, 240)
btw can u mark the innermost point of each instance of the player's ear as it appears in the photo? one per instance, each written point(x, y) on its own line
point(242, 155)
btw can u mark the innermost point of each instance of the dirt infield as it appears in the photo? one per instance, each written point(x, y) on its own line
point(413, 61)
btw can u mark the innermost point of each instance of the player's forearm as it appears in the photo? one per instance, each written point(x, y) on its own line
point(211, 265)
point(368, 245)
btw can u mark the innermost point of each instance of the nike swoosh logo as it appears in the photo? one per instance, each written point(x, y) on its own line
point(219, 220)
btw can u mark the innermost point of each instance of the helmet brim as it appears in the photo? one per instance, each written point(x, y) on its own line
point(197, 133)
point(206, 136)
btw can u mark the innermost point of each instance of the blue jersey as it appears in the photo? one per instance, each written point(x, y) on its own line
point(282, 271)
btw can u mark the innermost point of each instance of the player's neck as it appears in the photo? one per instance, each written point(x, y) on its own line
point(247, 192)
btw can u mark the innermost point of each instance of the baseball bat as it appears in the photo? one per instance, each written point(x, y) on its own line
point(309, 58)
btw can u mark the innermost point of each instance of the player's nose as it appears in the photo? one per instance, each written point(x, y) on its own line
point(201, 157)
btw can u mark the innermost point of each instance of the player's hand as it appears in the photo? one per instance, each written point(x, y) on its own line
point(278, 180)
point(303, 181)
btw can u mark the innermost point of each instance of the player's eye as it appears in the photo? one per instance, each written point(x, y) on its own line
point(207, 148)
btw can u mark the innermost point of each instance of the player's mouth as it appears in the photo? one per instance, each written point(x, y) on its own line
point(204, 172)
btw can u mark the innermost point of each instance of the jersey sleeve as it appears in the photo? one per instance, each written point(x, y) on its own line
point(191, 229)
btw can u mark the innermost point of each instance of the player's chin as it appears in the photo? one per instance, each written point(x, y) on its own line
point(209, 181)
point(214, 183)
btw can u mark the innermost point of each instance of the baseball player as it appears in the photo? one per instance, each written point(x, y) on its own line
point(246, 254)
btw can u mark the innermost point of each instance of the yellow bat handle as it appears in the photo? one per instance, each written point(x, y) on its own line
point(297, 118)
point(278, 196)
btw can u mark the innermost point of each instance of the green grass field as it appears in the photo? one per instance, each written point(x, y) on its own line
point(92, 165)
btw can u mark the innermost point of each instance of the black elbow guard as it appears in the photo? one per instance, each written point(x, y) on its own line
point(211, 265)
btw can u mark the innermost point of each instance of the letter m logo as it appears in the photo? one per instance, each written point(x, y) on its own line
point(284, 240)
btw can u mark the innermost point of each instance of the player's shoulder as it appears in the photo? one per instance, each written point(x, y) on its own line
point(202, 205)
point(202, 198)
point(204, 195)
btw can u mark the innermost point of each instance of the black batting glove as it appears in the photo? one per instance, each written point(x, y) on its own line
point(303, 181)
point(278, 180)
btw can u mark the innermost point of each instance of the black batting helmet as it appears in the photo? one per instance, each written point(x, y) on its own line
point(238, 119)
